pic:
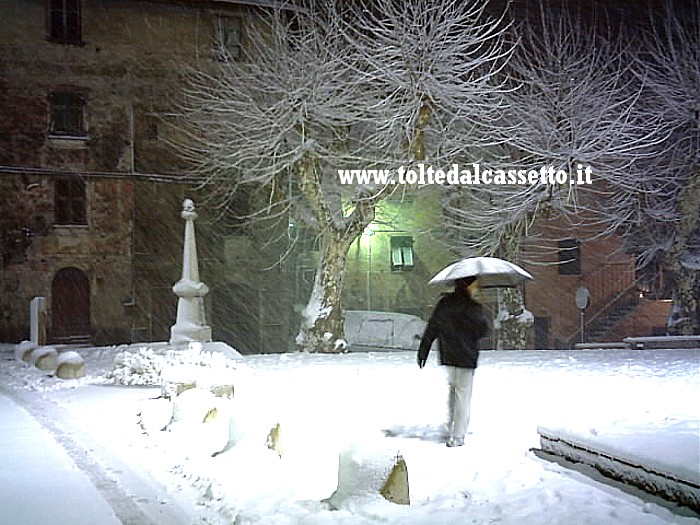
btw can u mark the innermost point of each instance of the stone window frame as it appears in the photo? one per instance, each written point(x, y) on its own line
point(64, 21)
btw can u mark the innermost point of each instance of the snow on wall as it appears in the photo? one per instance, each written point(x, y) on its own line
point(383, 329)
point(649, 470)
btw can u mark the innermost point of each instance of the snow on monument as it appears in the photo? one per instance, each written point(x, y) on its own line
point(190, 324)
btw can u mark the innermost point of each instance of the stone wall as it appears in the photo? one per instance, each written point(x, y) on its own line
point(127, 70)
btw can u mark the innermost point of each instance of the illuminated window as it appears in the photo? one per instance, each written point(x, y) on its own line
point(401, 252)
point(64, 21)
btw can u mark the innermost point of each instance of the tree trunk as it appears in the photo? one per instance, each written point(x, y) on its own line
point(322, 326)
point(514, 323)
point(684, 318)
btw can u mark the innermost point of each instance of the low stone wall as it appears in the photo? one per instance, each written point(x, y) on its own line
point(663, 341)
point(643, 476)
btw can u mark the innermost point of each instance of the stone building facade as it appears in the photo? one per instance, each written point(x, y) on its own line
point(89, 191)
point(90, 194)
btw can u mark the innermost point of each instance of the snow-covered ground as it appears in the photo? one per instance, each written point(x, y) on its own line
point(369, 407)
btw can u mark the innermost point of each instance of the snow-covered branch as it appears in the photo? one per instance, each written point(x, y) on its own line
point(327, 86)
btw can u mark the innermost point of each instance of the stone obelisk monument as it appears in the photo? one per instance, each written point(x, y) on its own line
point(191, 322)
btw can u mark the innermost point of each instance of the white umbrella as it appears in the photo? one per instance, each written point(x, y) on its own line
point(490, 271)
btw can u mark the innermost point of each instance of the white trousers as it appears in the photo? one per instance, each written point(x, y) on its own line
point(460, 381)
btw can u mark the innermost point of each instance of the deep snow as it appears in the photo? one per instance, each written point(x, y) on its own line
point(373, 406)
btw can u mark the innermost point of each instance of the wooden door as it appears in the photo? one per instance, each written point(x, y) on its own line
point(70, 307)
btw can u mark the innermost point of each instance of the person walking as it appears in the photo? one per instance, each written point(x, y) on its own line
point(457, 322)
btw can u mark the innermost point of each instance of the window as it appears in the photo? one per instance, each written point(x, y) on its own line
point(401, 252)
point(70, 201)
point(542, 330)
point(67, 114)
point(228, 38)
point(570, 257)
point(64, 21)
point(152, 129)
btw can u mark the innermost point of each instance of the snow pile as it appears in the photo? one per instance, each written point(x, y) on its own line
point(158, 365)
point(156, 414)
point(196, 422)
point(141, 367)
point(201, 419)
point(23, 351)
point(196, 392)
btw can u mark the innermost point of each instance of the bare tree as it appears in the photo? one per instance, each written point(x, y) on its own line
point(660, 221)
point(434, 66)
point(327, 87)
point(576, 106)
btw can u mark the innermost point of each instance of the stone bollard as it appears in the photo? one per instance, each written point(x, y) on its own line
point(45, 358)
point(37, 321)
point(24, 350)
point(369, 471)
point(274, 440)
point(70, 365)
point(395, 488)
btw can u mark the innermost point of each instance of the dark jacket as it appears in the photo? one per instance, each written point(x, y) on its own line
point(458, 323)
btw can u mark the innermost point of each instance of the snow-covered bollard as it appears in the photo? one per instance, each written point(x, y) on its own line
point(274, 440)
point(201, 422)
point(225, 391)
point(156, 414)
point(176, 379)
point(23, 351)
point(70, 365)
point(192, 405)
point(395, 488)
point(45, 358)
point(370, 471)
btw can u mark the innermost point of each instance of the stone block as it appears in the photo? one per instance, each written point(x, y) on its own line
point(70, 365)
point(370, 471)
point(24, 350)
point(45, 358)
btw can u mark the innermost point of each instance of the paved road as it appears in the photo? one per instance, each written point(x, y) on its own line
point(39, 482)
point(48, 475)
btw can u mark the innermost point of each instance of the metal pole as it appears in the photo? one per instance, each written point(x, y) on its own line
point(369, 272)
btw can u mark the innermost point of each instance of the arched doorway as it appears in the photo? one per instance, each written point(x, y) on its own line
point(70, 307)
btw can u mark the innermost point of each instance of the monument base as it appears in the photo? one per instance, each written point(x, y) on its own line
point(189, 333)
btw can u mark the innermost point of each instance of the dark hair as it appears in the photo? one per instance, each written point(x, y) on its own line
point(463, 282)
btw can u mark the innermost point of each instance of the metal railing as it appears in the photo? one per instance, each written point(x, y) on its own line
point(605, 278)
